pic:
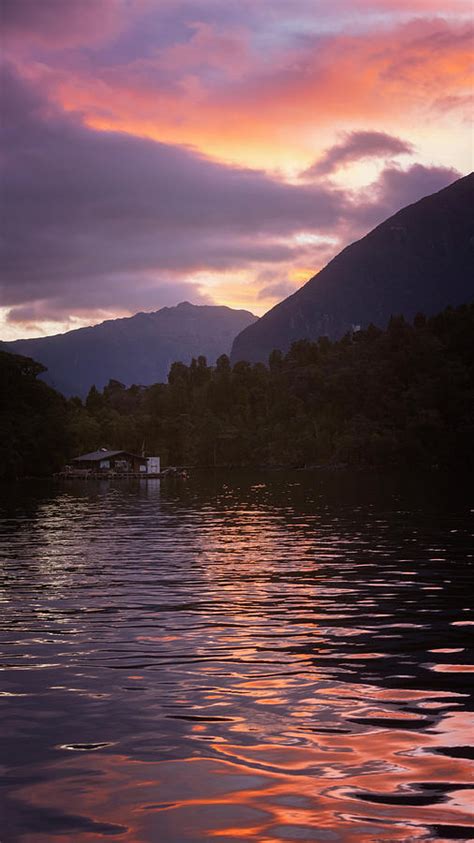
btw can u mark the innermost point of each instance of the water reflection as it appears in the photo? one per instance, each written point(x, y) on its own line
point(275, 659)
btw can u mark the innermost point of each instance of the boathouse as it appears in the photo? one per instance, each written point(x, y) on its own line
point(117, 461)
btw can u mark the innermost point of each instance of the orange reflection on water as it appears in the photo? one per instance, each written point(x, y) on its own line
point(282, 750)
point(453, 668)
point(236, 799)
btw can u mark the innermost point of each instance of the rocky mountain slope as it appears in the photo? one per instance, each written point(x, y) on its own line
point(421, 259)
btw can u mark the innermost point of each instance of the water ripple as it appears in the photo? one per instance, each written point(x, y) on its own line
point(275, 659)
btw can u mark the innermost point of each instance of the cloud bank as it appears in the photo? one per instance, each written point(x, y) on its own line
point(151, 150)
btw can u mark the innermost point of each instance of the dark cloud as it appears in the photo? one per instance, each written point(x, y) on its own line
point(357, 146)
point(107, 222)
point(107, 303)
point(94, 215)
point(395, 188)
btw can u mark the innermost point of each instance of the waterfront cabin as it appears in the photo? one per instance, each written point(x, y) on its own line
point(121, 462)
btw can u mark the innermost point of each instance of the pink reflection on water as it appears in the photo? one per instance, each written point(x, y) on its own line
point(273, 790)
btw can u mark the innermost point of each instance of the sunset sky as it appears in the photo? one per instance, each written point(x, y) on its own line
point(219, 152)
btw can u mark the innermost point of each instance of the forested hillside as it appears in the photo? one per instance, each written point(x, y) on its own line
point(399, 397)
point(402, 396)
point(34, 420)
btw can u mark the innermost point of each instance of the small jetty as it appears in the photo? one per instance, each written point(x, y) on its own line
point(71, 473)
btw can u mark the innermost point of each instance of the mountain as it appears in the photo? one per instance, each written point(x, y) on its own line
point(138, 349)
point(419, 260)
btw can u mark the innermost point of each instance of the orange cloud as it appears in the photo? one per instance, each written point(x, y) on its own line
point(279, 109)
point(249, 84)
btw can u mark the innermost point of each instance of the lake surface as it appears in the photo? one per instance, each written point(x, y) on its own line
point(278, 657)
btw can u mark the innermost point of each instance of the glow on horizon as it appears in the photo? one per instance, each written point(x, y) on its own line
point(266, 89)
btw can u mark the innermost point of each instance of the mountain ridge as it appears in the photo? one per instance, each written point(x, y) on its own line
point(133, 349)
point(384, 273)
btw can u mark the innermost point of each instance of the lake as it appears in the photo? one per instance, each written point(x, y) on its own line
point(270, 657)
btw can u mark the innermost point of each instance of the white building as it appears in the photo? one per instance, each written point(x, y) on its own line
point(153, 465)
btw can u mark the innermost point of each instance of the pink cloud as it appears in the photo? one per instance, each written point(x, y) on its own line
point(215, 91)
point(114, 180)
point(57, 24)
point(208, 48)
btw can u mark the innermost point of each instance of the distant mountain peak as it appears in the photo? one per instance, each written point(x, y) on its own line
point(134, 349)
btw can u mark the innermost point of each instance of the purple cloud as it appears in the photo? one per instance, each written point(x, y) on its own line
point(103, 221)
point(396, 188)
point(57, 24)
point(357, 146)
point(97, 216)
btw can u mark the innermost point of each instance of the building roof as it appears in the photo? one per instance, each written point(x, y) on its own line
point(104, 454)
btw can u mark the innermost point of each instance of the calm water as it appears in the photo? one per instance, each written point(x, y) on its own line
point(273, 658)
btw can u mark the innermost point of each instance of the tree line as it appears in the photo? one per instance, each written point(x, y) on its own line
point(403, 396)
